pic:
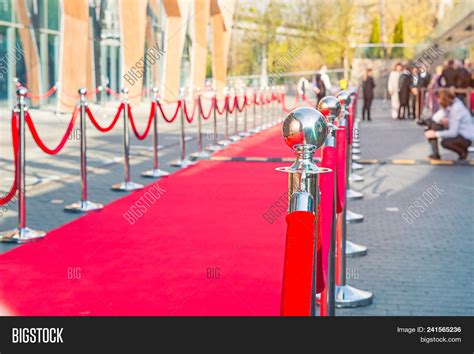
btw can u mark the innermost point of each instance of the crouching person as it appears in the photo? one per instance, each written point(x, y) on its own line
point(455, 122)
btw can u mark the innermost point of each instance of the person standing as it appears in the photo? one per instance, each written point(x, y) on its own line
point(368, 86)
point(450, 76)
point(325, 79)
point(319, 88)
point(393, 89)
point(414, 91)
point(404, 94)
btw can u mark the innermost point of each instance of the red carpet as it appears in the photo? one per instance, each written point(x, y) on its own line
point(268, 144)
point(204, 248)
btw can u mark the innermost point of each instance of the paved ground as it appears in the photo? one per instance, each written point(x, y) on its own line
point(419, 262)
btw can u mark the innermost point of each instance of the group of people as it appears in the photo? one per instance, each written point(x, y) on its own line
point(412, 87)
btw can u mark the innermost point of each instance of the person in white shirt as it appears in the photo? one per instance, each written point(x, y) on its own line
point(394, 88)
point(459, 131)
point(325, 79)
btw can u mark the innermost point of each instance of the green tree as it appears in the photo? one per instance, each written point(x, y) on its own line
point(397, 52)
point(375, 52)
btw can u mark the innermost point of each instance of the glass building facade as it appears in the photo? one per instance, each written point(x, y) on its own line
point(44, 24)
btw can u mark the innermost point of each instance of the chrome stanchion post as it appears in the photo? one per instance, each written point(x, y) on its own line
point(226, 140)
point(274, 115)
point(246, 131)
point(305, 130)
point(331, 109)
point(183, 161)
point(351, 249)
point(236, 137)
point(215, 146)
point(201, 153)
point(346, 295)
point(84, 205)
point(127, 185)
point(156, 172)
point(21, 234)
point(255, 129)
point(262, 109)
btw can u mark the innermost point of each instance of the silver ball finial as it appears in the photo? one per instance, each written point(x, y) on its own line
point(330, 107)
point(304, 126)
point(344, 98)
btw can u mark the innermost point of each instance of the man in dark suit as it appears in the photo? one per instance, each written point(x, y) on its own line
point(450, 75)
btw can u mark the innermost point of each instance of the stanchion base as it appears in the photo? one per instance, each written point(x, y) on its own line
point(200, 155)
point(355, 150)
point(224, 143)
point(245, 134)
point(348, 296)
point(235, 138)
point(355, 250)
point(21, 235)
point(353, 218)
point(355, 157)
point(214, 148)
point(353, 195)
point(182, 163)
point(155, 173)
point(83, 207)
point(356, 178)
point(356, 166)
point(126, 186)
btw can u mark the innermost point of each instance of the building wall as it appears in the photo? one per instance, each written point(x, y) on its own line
point(56, 41)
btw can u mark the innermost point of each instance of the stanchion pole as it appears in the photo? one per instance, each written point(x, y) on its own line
point(201, 153)
point(310, 127)
point(262, 109)
point(351, 249)
point(127, 185)
point(156, 172)
point(22, 234)
point(84, 205)
point(226, 140)
point(255, 129)
point(236, 137)
point(183, 160)
point(246, 131)
point(346, 295)
point(215, 146)
point(331, 108)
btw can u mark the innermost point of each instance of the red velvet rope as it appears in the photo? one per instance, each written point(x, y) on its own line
point(255, 101)
point(326, 203)
point(226, 103)
point(13, 189)
point(284, 104)
point(39, 96)
point(231, 110)
point(169, 120)
point(298, 264)
point(341, 168)
point(243, 104)
point(110, 126)
point(350, 121)
point(206, 116)
point(62, 142)
point(186, 114)
point(309, 101)
point(112, 92)
point(148, 126)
